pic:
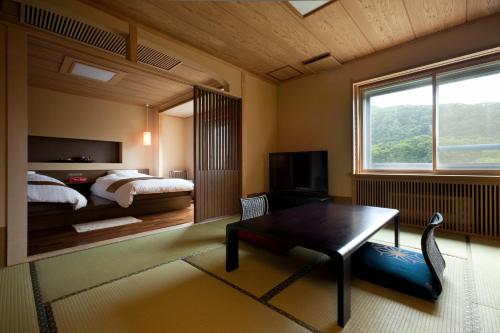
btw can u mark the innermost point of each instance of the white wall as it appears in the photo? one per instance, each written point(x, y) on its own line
point(315, 112)
point(261, 117)
point(56, 114)
point(189, 146)
point(176, 144)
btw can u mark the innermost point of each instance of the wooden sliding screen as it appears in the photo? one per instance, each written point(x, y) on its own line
point(217, 154)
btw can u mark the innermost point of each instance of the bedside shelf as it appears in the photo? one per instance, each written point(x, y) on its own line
point(83, 188)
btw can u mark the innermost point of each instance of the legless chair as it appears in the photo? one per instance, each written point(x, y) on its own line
point(253, 208)
point(419, 274)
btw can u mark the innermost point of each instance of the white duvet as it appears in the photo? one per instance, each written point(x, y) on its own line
point(124, 196)
point(53, 193)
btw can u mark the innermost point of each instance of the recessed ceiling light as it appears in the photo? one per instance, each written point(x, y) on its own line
point(307, 7)
point(91, 72)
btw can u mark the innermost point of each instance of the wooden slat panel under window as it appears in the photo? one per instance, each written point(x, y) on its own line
point(470, 205)
point(217, 121)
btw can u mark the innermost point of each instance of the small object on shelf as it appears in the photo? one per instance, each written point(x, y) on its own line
point(77, 179)
point(76, 159)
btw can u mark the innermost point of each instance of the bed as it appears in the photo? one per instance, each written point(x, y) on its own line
point(51, 215)
point(48, 190)
point(125, 186)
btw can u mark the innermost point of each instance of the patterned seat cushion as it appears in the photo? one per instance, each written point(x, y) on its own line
point(395, 268)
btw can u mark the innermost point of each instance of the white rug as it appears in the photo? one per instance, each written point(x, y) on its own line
point(103, 224)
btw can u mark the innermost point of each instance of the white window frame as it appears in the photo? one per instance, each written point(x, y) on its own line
point(428, 71)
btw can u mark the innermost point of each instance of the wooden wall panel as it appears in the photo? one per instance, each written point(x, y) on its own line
point(3, 125)
point(17, 145)
point(480, 8)
point(217, 136)
point(3, 143)
point(3, 247)
point(469, 206)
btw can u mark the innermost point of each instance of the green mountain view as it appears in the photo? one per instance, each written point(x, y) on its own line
point(403, 134)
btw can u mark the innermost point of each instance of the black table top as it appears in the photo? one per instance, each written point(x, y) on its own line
point(331, 228)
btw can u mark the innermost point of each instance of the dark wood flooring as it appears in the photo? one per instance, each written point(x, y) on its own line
point(65, 237)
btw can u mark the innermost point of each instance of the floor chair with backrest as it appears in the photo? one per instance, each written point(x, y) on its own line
point(418, 274)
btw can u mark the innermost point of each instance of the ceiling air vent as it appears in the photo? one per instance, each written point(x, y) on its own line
point(73, 29)
point(149, 56)
point(284, 73)
point(322, 63)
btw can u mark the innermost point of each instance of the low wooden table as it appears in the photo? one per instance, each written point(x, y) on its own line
point(337, 230)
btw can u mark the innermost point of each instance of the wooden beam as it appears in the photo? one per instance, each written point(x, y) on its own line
point(104, 55)
point(132, 42)
point(3, 142)
point(17, 145)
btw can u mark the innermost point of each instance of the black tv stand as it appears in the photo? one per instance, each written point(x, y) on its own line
point(288, 199)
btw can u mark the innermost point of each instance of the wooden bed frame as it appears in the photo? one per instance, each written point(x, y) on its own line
point(52, 215)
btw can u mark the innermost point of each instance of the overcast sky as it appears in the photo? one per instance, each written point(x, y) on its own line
point(472, 91)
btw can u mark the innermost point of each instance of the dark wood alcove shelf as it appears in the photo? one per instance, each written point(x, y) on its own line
point(51, 149)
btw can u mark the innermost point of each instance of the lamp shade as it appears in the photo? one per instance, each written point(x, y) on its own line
point(147, 138)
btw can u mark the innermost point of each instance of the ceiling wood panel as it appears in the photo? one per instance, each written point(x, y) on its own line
point(480, 8)
point(384, 22)
point(136, 87)
point(257, 36)
point(333, 25)
point(262, 37)
point(212, 30)
point(280, 27)
point(428, 16)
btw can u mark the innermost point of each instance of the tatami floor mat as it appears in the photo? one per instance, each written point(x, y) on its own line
point(489, 319)
point(17, 303)
point(450, 244)
point(259, 270)
point(313, 299)
point(171, 298)
point(485, 260)
point(69, 273)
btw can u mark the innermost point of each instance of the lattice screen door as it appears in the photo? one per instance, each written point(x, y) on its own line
point(217, 154)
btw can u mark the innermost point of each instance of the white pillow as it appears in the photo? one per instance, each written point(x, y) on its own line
point(123, 172)
point(42, 178)
point(31, 172)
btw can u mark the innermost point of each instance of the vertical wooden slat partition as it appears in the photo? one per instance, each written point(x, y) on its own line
point(470, 205)
point(217, 137)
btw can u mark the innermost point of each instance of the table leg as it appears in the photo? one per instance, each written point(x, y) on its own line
point(396, 231)
point(343, 290)
point(231, 248)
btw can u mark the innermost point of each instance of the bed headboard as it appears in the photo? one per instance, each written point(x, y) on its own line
point(92, 175)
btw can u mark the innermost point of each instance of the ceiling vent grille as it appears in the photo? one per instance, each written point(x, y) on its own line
point(149, 56)
point(74, 29)
point(284, 73)
point(322, 63)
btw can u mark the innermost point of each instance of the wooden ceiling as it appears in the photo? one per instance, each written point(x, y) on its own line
point(136, 87)
point(265, 36)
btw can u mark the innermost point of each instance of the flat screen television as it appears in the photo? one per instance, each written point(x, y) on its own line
point(299, 172)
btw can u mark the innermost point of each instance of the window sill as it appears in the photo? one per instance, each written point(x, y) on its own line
point(488, 178)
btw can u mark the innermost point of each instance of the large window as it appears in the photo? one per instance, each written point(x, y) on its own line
point(468, 118)
point(398, 126)
point(443, 121)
